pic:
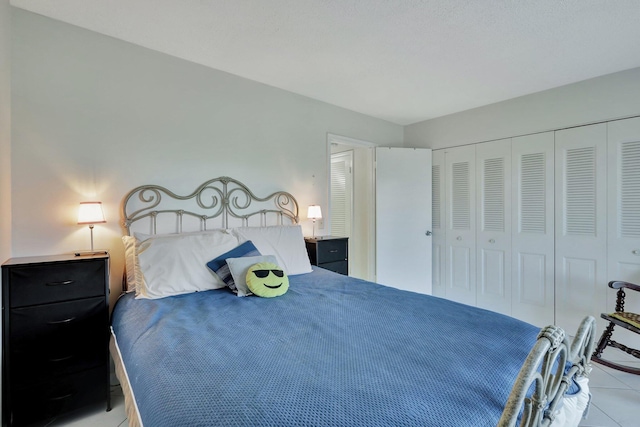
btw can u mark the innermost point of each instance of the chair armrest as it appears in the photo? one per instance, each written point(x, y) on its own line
point(618, 284)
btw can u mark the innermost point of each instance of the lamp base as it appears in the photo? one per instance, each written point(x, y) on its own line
point(90, 253)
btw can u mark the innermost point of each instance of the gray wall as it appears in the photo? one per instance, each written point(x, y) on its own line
point(603, 98)
point(5, 130)
point(94, 117)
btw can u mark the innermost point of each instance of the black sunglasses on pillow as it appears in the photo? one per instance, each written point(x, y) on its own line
point(264, 273)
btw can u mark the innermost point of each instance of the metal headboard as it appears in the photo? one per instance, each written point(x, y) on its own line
point(220, 198)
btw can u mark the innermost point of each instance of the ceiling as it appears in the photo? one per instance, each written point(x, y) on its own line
point(400, 60)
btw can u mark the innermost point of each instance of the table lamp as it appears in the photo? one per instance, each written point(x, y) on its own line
point(314, 212)
point(90, 213)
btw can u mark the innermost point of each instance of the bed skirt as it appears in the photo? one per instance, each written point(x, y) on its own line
point(130, 406)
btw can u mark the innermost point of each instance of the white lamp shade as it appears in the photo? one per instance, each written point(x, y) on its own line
point(90, 213)
point(314, 212)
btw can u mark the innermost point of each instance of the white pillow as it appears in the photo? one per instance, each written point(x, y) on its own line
point(239, 267)
point(131, 263)
point(176, 263)
point(131, 248)
point(285, 242)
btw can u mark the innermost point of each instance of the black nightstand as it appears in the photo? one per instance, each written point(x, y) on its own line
point(55, 336)
point(329, 252)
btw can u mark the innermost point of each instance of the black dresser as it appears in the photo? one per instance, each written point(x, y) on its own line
point(55, 336)
point(329, 252)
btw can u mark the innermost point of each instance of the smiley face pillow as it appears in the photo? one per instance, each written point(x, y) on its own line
point(266, 279)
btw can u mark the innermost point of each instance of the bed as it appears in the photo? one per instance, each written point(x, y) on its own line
point(332, 350)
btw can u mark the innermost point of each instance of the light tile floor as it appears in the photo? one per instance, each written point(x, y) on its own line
point(615, 401)
point(97, 416)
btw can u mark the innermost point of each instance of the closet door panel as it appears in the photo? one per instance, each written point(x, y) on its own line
point(493, 234)
point(533, 228)
point(438, 218)
point(624, 208)
point(580, 224)
point(460, 223)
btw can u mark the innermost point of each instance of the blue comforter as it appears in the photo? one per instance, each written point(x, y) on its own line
point(332, 351)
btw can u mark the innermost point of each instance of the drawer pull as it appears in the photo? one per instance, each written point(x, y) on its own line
point(333, 251)
point(60, 322)
point(62, 397)
point(60, 359)
point(63, 283)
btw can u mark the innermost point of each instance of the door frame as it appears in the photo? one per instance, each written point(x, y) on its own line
point(371, 226)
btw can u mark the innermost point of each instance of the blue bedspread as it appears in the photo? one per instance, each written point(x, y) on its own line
point(332, 351)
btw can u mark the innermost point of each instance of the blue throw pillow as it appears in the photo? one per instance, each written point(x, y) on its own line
point(219, 264)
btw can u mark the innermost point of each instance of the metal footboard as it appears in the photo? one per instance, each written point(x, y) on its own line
point(546, 375)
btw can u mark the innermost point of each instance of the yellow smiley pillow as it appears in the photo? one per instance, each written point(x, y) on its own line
point(266, 279)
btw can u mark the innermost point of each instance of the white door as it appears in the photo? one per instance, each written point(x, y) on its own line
point(624, 211)
point(438, 220)
point(461, 224)
point(532, 238)
point(403, 218)
point(493, 236)
point(580, 224)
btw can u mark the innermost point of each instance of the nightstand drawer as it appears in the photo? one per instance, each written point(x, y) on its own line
point(331, 250)
point(57, 338)
point(341, 267)
point(48, 399)
point(44, 283)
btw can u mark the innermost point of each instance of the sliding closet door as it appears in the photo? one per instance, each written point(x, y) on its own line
point(533, 228)
point(461, 224)
point(493, 238)
point(438, 218)
point(580, 224)
point(624, 206)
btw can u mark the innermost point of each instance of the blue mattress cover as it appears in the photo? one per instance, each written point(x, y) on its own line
point(333, 350)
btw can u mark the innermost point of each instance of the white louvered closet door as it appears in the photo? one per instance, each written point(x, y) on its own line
point(493, 237)
point(533, 228)
point(580, 224)
point(341, 193)
point(624, 210)
point(461, 224)
point(438, 219)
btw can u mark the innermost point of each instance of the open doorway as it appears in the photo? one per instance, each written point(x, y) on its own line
point(351, 201)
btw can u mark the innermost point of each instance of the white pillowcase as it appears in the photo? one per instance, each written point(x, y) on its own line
point(175, 264)
point(239, 267)
point(132, 267)
point(285, 242)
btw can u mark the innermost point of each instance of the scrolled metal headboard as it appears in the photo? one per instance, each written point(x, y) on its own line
point(220, 198)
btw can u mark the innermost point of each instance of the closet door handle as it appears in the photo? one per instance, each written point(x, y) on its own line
point(459, 238)
point(492, 240)
point(635, 252)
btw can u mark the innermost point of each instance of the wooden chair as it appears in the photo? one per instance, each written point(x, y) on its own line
point(627, 320)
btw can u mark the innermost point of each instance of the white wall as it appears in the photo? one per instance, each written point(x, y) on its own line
point(94, 117)
point(5, 130)
point(603, 98)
